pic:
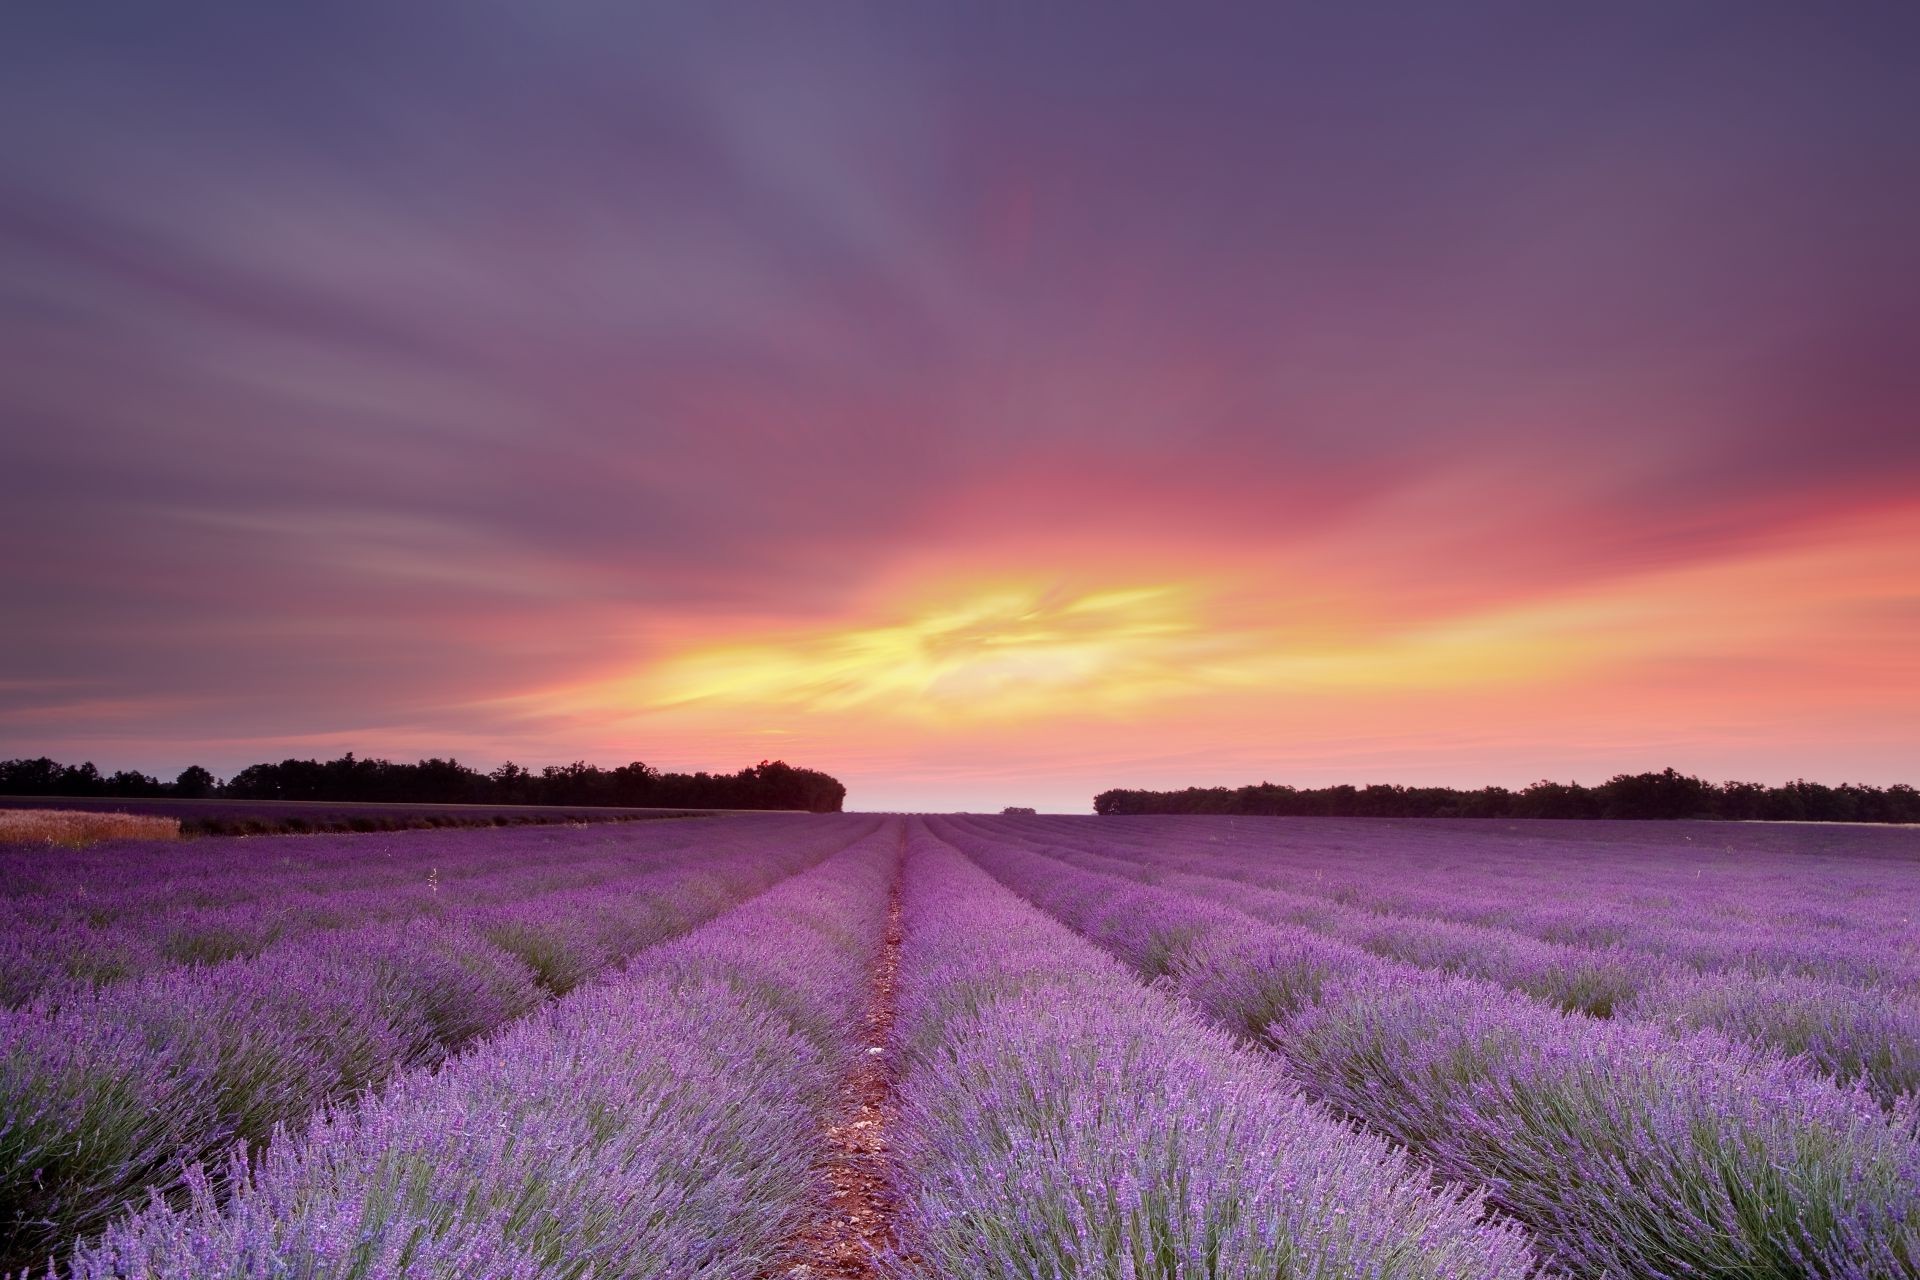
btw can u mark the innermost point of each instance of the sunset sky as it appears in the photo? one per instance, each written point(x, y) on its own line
point(982, 404)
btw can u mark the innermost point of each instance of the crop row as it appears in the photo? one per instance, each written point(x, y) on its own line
point(1109, 1064)
point(1849, 1032)
point(112, 1092)
point(143, 919)
point(1058, 1118)
point(1628, 1150)
point(663, 1123)
point(1766, 928)
point(127, 878)
point(1062, 1120)
point(1708, 878)
point(1763, 910)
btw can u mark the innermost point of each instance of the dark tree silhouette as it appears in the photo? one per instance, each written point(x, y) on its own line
point(768, 785)
point(1666, 794)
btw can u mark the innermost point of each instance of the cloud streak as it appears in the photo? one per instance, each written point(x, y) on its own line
point(673, 384)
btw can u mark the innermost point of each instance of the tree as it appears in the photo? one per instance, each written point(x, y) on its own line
point(194, 783)
point(39, 776)
point(130, 784)
point(510, 784)
point(1667, 794)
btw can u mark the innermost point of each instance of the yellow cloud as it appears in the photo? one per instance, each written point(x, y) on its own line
point(998, 652)
point(1271, 655)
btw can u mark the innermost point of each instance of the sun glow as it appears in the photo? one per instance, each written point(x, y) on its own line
point(943, 674)
point(1006, 651)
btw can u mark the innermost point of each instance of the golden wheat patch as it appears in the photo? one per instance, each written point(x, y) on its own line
point(73, 827)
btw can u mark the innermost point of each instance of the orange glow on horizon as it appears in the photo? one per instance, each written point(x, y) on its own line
point(993, 653)
point(1241, 674)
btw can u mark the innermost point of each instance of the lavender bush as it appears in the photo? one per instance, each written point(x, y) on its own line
point(1629, 1150)
point(109, 915)
point(1831, 903)
point(1061, 1120)
point(1846, 1030)
point(110, 1093)
point(663, 1124)
point(1200, 1048)
point(266, 817)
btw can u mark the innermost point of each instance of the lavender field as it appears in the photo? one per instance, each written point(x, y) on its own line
point(274, 817)
point(812, 1046)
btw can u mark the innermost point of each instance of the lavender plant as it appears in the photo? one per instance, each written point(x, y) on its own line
point(1629, 1150)
point(1847, 1031)
point(1831, 903)
point(108, 1094)
point(1061, 1120)
point(135, 909)
point(663, 1124)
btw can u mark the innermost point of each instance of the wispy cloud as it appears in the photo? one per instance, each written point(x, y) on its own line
point(911, 396)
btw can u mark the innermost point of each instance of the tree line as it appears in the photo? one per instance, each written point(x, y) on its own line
point(767, 785)
point(1667, 794)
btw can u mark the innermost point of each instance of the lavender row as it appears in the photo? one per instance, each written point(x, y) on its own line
point(1061, 1120)
point(1627, 1150)
point(111, 1093)
point(1847, 1032)
point(1699, 881)
point(1807, 876)
point(1593, 981)
point(212, 872)
point(1851, 1026)
point(131, 928)
point(122, 879)
point(1816, 914)
point(1703, 877)
point(217, 817)
point(661, 1125)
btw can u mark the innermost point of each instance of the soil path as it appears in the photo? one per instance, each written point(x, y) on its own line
point(853, 1228)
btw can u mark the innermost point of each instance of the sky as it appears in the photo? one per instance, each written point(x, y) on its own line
point(986, 404)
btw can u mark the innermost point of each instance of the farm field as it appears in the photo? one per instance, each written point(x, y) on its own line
point(814, 1046)
point(270, 817)
point(74, 828)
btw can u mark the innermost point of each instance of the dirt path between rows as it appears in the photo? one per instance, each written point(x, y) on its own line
point(853, 1228)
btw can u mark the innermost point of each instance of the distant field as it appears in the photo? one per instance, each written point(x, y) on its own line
point(75, 827)
point(1193, 1048)
point(267, 817)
